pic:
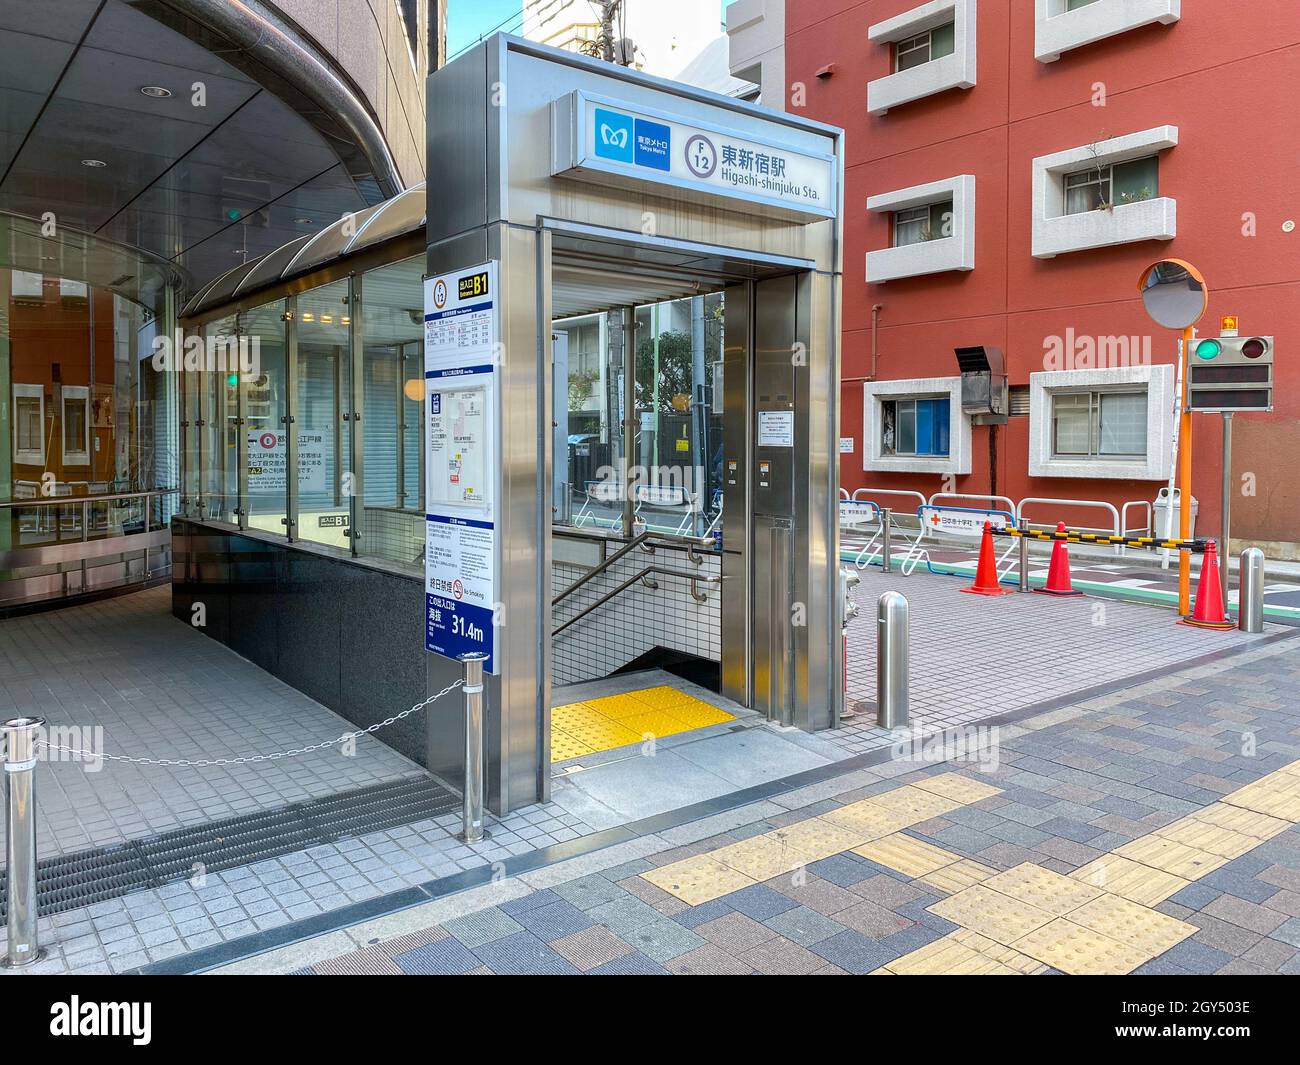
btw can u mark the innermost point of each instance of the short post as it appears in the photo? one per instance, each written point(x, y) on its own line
point(1250, 591)
point(891, 661)
point(20, 848)
point(886, 540)
point(1024, 554)
point(472, 830)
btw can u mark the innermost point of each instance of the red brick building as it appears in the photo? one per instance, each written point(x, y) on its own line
point(1012, 167)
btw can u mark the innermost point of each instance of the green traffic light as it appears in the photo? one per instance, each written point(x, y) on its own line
point(232, 380)
point(1208, 349)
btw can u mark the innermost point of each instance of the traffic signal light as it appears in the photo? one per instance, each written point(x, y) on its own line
point(1231, 373)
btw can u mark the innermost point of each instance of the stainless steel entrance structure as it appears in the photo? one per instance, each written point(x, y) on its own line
point(566, 171)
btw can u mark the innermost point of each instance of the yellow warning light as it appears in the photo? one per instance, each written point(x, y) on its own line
point(1228, 325)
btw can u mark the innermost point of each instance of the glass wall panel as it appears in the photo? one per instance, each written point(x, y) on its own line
point(588, 393)
point(392, 411)
point(323, 416)
point(219, 436)
point(679, 428)
point(83, 411)
point(190, 439)
point(265, 395)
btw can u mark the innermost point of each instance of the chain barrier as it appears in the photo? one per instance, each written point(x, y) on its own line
point(199, 763)
point(1074, 536)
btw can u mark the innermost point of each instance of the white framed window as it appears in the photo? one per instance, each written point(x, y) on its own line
point(932, 50)
point(915, 426)
point(932, 229)
point(29, 425)
point(1063, 25)
point(1098, 188)
point(913, 225)
point(1114, 423)
point(75, 411)
point(1093, 424)
point(925, 47)
point(1102, 194)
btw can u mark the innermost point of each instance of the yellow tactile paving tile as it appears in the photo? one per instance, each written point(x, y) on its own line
point(1052, 892)
point(661, 697)
point(1080, 951)
point(1140, 927)
point(654, 723)
point(618, 707)
point(1190, 863)
point(760, 857)
point(960, 788)
point(1207, 837)
point(1021, 964)
point(603, 737)
point(961, 874)
point(946, 957)
point(698, 879)
point(868, 819)
point(1277, 795)
point(993, 914)
point(611, 721)
point(907, 854)
point(915, 803)
point(1238, 819)
point(564, 746)
point(1129, 879)
point(697, 714)
point(816, 838)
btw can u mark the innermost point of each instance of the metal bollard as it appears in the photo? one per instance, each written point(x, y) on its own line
point(886, 541)
point(1250, 591)
point(472, 831)
point(891, 661)
point(20, 811)
point(1024, 555)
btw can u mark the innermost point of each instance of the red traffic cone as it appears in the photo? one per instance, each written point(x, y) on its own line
point(1207, 611)
point(1058, 570)
point(986, 573)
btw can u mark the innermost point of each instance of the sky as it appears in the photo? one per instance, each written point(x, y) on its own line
point(468, 20)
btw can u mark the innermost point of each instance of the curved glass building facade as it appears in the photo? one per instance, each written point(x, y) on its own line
point(315, 434)
point(90, 454)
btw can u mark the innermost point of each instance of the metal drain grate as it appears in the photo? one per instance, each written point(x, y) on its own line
point(86, 877)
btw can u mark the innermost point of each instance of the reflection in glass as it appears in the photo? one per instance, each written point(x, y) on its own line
point(323, 415)
point(265, 438)
point(392, 406)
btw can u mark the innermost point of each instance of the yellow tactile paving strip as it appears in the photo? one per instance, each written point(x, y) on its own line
point(1095, 920)
point(620, 720)
point(871, 822)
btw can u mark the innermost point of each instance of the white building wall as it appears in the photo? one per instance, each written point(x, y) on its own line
point(756, 38)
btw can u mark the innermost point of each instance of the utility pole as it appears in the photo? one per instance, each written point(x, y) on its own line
point(606, 38)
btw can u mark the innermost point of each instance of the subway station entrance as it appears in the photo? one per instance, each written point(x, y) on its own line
point(631, 311)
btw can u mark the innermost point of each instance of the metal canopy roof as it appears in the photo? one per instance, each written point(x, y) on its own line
point(402, 214)
point(203, 182)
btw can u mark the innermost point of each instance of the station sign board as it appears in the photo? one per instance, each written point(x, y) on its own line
point(461, 565)
point(609, 141)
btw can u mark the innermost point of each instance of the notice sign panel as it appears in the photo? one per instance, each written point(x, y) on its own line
point(461, 327)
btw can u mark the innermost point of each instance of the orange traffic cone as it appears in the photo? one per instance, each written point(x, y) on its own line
point(986, 573)
point(1058, 570)
point(1207, 611)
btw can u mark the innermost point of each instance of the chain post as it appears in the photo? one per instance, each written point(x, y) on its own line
point(20, 846)
point(472, 685)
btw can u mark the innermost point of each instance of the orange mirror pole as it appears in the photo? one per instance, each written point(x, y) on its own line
point(1185, 483)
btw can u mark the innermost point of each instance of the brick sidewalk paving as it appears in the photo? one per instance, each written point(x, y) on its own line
point(1152, 831)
